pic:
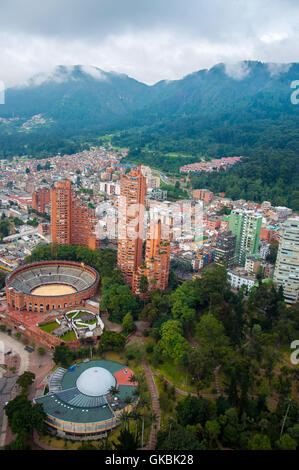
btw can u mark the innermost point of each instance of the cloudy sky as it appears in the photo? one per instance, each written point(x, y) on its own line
point(149, 40)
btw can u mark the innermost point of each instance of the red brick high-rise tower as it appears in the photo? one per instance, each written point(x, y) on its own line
point(156, 264)
point(72, 222)
point(130, 238)
point(61, 204)
point(131, 223)
point(40, 198)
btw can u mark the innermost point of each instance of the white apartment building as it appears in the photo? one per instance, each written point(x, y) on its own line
point(239, 278)
point(286, 273)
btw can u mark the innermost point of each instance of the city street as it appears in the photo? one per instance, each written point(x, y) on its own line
point(10, 343)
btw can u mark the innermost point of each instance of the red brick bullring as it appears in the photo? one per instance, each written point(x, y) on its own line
point(22, 301)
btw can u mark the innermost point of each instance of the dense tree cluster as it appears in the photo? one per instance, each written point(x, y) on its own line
point(103, 261)
point(119, 301)
point(4, 228)
point(2, 279)
point(111, 341)
point(24, 416)
point(200, 326)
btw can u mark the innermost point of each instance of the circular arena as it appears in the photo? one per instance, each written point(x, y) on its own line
point(87, 400)
point(50, 285)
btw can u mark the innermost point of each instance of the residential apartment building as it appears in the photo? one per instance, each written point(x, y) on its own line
point(72, 221)
point(41, 197)
point(240, 278)
point(253, 263)
point(225, 249)
point(246, 225)
point(286, 273)
point(204, 195)
point(131, 222)
point(156, 264)
point(212, 223)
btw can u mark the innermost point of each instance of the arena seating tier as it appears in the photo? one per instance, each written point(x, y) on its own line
point(26, 281)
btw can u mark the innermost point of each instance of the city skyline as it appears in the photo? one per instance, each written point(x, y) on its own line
point(149, 228)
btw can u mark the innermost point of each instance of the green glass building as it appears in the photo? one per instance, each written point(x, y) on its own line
point(246, 225)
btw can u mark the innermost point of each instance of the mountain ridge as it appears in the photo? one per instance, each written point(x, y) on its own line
point(87, 101)
point(206, 113)
point(126, 93)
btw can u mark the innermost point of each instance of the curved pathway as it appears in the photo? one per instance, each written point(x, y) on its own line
point(183, 392)
point(207, 395)
point(155, 406)
point(134, 338)
point(110, 325)
point(217, 380)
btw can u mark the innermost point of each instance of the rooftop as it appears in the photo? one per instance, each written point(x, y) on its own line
point(81, 394)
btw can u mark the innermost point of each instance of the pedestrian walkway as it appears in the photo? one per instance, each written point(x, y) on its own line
point(217, 381)
point(151, 445)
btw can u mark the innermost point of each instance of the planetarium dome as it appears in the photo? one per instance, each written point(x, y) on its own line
point(95, 382)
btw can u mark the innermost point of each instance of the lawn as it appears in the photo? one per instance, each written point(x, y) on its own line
point(175, 376)
point(167, 414)
point(67, 444)
point(81, 313)
point(49, 327)
point(69, 336)
point(85, 323)
point(183, 155)
point(285, 351)
point(113, 356)
point(71, 315)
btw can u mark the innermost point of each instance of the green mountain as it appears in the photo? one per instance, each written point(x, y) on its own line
point(88, 96)
point(82, 95)
point(211, 102)
point(213, 114)
point(244, 109)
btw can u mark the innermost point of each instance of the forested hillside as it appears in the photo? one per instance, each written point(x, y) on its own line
point(210, 113)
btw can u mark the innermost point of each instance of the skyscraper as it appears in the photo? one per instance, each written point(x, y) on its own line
point(72, 221)
point(286, 273)
point(156, 264)
point(40, 198)
point(246, 225)
point(131, 223)
point(61, 206)
point(225, 249)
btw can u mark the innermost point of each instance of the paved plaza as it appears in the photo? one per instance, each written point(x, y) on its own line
point(41, 366)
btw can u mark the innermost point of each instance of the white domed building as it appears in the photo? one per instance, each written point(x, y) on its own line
point(86, 400)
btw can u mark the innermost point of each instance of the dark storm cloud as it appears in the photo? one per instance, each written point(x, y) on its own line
point(101, 17)
point(149, 39)
point(214, 19)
